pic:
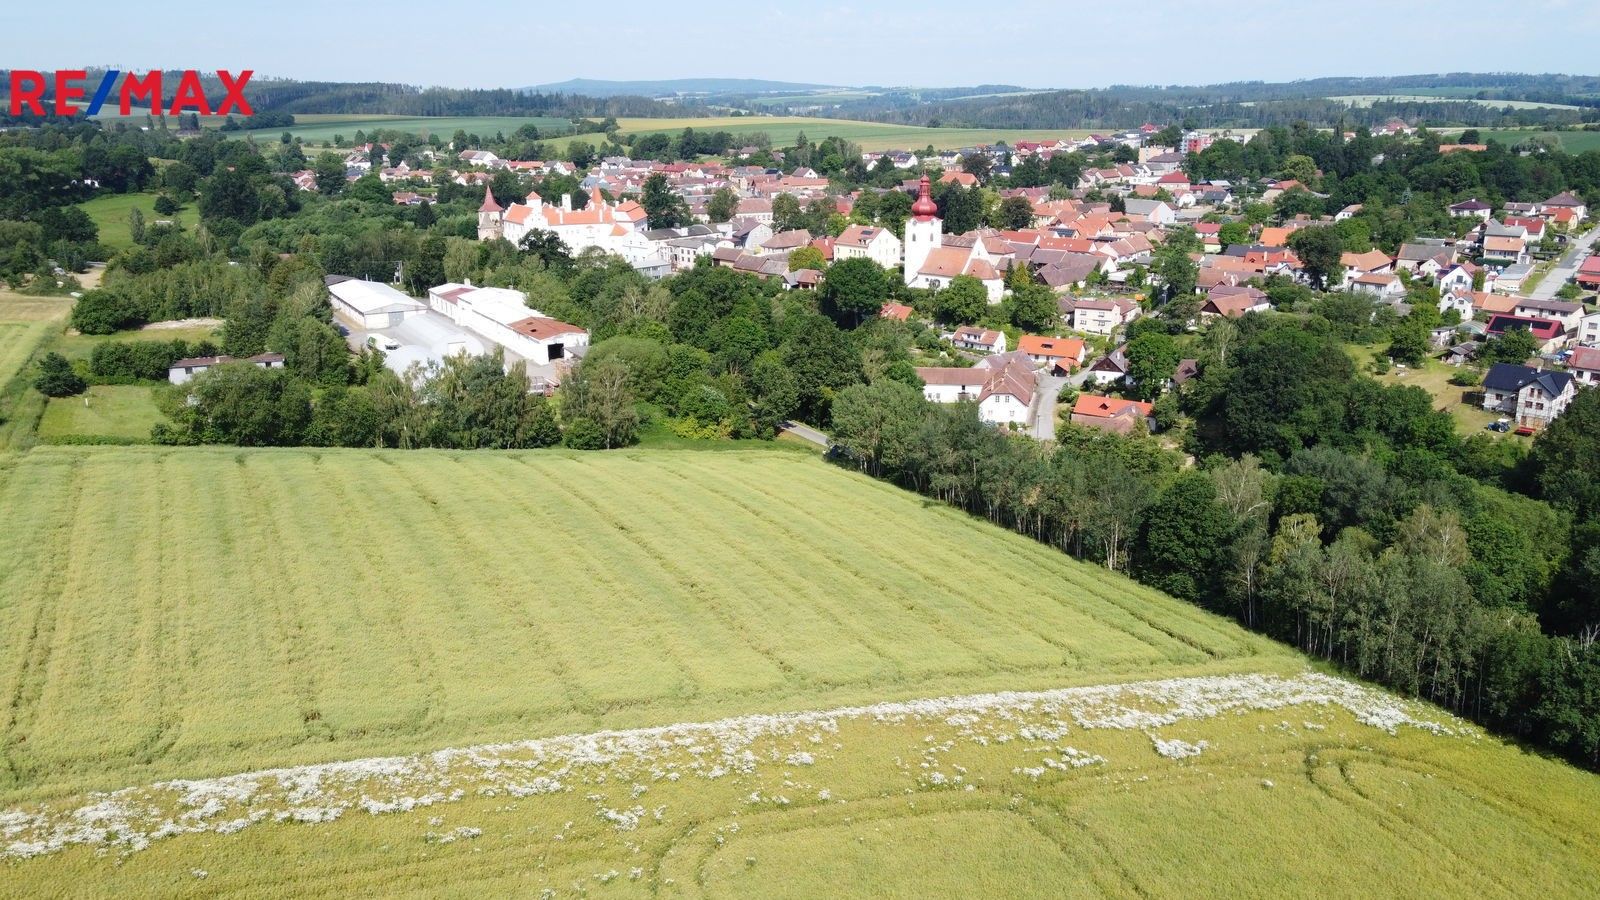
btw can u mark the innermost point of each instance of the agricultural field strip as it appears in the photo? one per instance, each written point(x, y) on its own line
point(131, 818)
point(1143, 607)
point(448, 604)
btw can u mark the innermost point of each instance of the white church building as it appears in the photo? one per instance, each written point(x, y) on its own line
point(930, 263)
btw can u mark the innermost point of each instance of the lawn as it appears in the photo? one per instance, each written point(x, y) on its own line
point(115, 412)
point(79, 346)
point(207, 613)
point(1434, 377)
point(110, 215)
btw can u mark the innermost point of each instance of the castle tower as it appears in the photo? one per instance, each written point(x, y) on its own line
point(924, 232)
point(489, 217)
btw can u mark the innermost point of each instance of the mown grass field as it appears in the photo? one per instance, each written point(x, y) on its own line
point(1570, 141)
point(200, 612)
point(320, 129)
point(110, 214)
point(115, 412)
point(26, 323)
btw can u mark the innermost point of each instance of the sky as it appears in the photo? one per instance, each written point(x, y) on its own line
point(929, 43)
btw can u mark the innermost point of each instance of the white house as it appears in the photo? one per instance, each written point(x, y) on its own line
point(1584, 364)
point(502, 315)
point(1003, 387)
point(1533, 397)
point(1111, 368)
point(1456, 278)
point(1154, 210)
point(1103, 316)
point(1471, 209)
point(1569, 314)
point(877, 244)
point(1589, 329)
point(370, 304)
point(184, 370)
point(969, 337)
point(1381, 285)
point(1460, 301)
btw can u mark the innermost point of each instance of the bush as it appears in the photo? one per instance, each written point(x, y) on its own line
point(142, 360)
point(1466, 378)
point(103, 312)
point(1068, 394)
point(56, 378)
point(584, 434)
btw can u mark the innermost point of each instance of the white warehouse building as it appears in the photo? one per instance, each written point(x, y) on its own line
point(370, 304)
point(502, 315)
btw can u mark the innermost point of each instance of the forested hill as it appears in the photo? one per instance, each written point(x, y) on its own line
point(286, 95)
point(1453, 99)
point(410, 100)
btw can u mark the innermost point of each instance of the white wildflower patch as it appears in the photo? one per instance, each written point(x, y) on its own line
point(744, 747)
point(1176, 749)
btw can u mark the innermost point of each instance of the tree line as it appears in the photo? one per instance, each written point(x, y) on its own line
point(1326, 510)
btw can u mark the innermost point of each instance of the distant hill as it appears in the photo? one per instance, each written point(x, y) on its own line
point(590, 87)
point(1459, 99)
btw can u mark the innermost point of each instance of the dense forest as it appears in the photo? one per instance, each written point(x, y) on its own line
point(289, 96)
point(1328, 511)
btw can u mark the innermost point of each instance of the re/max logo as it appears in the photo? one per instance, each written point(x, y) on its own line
point(28, 89)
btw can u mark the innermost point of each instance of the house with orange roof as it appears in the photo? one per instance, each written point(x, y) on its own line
point(1062, 353)
point(611, 227)
point(1275, 236)
point(965, 179)
point(897, 311)
point(1112, 414)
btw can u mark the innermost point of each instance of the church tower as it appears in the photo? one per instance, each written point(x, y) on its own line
point(489, 216)
point(924, 232)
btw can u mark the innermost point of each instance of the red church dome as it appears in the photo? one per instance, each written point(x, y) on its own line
point(924, 208)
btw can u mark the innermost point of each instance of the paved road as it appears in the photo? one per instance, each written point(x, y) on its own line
point(1044, 406)
point(806, 432)
point(1566, 267)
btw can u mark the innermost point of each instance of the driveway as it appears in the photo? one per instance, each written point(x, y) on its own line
point(1566, 267)
point(1043, 426)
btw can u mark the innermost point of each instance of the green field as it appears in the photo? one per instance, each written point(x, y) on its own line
point(207, 613)
point(320, 129)
point(870, 135)
point(115, 412)
point(110, 215)
point(1366, 100)
point(1570, 141)
point(26, 323)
